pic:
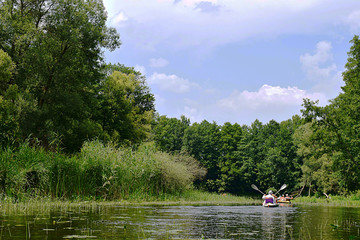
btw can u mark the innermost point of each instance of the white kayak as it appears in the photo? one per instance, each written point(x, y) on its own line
point(270, 205)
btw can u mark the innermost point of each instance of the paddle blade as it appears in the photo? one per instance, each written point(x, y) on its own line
point(282, 188)
point(255, 188)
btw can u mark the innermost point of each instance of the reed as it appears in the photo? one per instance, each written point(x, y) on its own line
point(97, 172)
point(351, 200)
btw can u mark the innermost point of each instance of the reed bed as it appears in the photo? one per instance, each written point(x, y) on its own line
point(97, 172)
point(351, 200)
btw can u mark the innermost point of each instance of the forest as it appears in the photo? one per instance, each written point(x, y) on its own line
point(68, 116)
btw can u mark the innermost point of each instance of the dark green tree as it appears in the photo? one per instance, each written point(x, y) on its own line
point(169, 133)
point(57, 47)
point(202, 142)
point(126, 108)
point(336, 127)
point(229, 164)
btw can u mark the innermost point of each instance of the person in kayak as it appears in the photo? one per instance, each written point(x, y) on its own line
point(288, 198)
point(282, 198)
point(269, 198)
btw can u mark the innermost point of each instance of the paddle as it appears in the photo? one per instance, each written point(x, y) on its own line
point(282, 188)
point(255, 188)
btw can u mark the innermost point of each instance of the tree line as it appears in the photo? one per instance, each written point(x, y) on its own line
point(55, 85)
point(318, 151)
point(57, 91)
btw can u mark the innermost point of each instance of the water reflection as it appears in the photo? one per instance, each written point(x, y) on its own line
point(185, 222)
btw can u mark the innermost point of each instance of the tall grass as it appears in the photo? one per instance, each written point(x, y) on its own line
point(97, 172)
point(352, 200)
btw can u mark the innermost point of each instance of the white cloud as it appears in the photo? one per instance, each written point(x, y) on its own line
point(312, 64)
point(141, 69)
point(267, 97)
point(193, 114)
point(269, 102)
point(120, 18)
point(158, 62)
point(353, 20)
point(172, 83)
point(193, 3)
point(320, 68)
point(154, 24)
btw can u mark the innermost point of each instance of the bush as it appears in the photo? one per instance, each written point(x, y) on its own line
point(97, 171)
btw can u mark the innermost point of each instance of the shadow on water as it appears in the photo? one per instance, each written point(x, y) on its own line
point(185, 222)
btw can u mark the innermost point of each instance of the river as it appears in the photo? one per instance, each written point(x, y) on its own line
point(184, 222)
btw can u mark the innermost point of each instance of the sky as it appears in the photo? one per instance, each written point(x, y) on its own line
point(235, 60)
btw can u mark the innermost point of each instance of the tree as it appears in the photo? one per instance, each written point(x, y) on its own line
point(169, 133)
point(337, 126)
point(57, 48)
point(228, 163)
point(317, 170)
point(9, 114)
point(202, 142)
point(7, 68)
point(125, 111)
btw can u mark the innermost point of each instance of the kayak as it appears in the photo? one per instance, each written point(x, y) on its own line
point(270, 205)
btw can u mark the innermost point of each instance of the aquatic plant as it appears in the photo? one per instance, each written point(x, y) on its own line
point(98, 171)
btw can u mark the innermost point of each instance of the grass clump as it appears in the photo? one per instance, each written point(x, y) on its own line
point(97, 172)
point(351, 200)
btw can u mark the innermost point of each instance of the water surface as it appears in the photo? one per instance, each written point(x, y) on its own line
point(184, 222)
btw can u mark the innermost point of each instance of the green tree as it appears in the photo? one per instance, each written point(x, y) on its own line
point(337, 126)
point(229, 178)
point(202, 142)
point(57, 47)
point(318, 172)
point(7, 68)
point(123, 115)
point(169, 133)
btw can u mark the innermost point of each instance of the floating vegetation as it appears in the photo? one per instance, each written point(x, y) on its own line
point(78, 236)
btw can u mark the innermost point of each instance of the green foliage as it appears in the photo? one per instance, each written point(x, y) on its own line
point(56, 47)
point(7, 68)
point(202, 142)
point(126, 108)
point(336, 130)
point(318, 170)
point(168, 133)
point(98, 171)
point(236, 156)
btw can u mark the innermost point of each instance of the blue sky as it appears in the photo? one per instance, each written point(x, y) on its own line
point(235, 60)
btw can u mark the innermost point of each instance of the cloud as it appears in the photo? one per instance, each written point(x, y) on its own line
point(243, 107)
point(193, 114)
point(158, 62)
point(311, 64)
point(120, 17)
point(172, 83)
point(207, 7)
point(353, 20)
point(269, 102)
point(155, 24)
point(320, 68)
point(267, 97)
point(195, 3)
point(140, 69)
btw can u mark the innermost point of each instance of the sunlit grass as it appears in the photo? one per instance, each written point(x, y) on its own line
point(97, 172)
point(352, 200)
point(190, 197)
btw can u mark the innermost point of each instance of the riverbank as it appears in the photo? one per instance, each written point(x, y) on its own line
point(352, 200)
point(188, 198)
